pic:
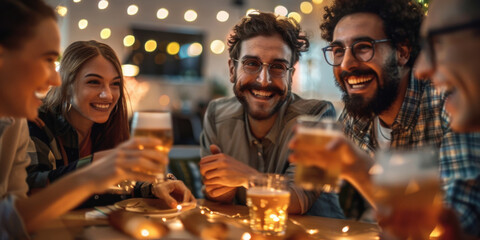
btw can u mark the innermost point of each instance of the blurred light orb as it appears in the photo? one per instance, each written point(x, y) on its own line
point(61, 10)
point(217, 46)
point(77, 1)
point(130, 70)
point(82, 24)
point(295, 16)
point(306, 7)
point(150, 45)
point(251, 11)
point(222, 16)
point(132, 10)
point(105, 33)
point(173, 48)
point(281, 10)
point(102, 4)
point(128, 40)
point(317, 1)
point(162, 13)
point(190, 15)
point(195, 49)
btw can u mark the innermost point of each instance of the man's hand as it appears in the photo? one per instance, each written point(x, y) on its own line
point(172, 192)
point(224, 170)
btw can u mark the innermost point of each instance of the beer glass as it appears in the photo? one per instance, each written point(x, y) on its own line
point(268, 199)
point(150, 124)
point(313, 133)
point(407, 191)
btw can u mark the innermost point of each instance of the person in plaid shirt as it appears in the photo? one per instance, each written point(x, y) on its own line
point(373, 45)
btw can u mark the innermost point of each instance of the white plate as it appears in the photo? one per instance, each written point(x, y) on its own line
point(153, 207)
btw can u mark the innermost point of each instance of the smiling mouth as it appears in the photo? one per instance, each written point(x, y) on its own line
point(101, 107)
point(356, 82)
point(262, 94)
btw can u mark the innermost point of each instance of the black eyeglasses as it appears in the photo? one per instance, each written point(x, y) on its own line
point(427, 42)
point(362, 50)
point(254, 66)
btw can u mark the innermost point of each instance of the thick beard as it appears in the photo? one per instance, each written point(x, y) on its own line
point(384, 97)
point(256, 86)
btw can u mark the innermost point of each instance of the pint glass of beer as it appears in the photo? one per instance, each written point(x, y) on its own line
point(149, 124)
point(157, 125)
point(407, 191)
point(268, 199)
point(315, 134)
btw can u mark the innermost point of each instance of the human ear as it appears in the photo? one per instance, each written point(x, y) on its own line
point(403, 53)
point(231, 68)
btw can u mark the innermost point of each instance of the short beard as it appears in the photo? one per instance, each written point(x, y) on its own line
point(242, 99)
point(384, 97)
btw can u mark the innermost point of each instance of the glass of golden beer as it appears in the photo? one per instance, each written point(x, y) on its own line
point(407, 191)
point(268, 199)
point(313, 133)
point(150, 124)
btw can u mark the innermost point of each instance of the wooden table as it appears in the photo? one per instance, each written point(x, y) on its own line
point(73, 225)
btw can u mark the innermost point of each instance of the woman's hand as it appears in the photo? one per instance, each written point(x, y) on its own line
point(132, 160)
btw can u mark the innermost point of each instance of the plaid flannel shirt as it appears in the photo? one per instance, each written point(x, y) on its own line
point(423, 121)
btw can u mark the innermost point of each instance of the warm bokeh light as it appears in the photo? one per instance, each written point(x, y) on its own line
point(217, 46)
point(102, 4)
point(132, 10)
point(77, 1)
point(130, 70)
point(251, 11)
point(295, 16)
point(162, 13)
point(195, 49)
point(144, 232)
point(190, 15)
point(82, 24)
point(281, 10)
point(61, 10)
point(150, 45)
point(105, 33)
point(173, 48)
point(222, 16)
point(128, 40)
point(306, 7)
point(57, 66)
point(246, 236)
point(164, 100)
point(317, 1)
point(345, 229)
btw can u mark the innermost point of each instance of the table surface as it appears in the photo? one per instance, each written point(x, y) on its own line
point(73, 225)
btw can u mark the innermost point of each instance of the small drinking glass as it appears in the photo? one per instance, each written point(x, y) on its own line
point(268, 199)
point(407, 191)
point(150, 124)
point(314, 133)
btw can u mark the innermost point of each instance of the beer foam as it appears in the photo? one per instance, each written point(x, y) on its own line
point(266, 191)
point(318, 131)
point(152, 120)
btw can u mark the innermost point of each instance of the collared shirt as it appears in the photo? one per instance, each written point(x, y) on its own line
point(226, 125)
point(13, 161)
point(423, 121)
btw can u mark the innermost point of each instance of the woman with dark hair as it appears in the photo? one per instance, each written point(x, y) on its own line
point(82, 119)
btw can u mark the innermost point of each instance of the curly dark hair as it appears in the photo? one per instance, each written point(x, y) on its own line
point(268, 24)
point(401, 20)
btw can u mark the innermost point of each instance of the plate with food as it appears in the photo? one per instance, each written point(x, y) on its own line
point(153, 207)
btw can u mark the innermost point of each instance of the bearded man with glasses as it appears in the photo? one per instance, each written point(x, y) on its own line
point(373, 45)
point(248, 134)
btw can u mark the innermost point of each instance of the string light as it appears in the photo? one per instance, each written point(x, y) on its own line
point(150, 45)
point(162, 13)
point(82, 24)
point(105, 33)
point(222, 16)
point(128, 40)
point(173, 48)
point(190, 15)
point(61, 10)
point(217, 46)
point(77, 1)
point(317, 1)
point(295, 16)
point(132, 10)
point(195, 49)
point(306, 7)
point(281, 10)
point(102, 4)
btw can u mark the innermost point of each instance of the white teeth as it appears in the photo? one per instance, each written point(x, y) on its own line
point(103, 106)
point(41, 95)
point(358, 80)
point(261, 93)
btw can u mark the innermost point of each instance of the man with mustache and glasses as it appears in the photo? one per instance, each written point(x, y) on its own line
point(248, 135)
point(373, 45)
